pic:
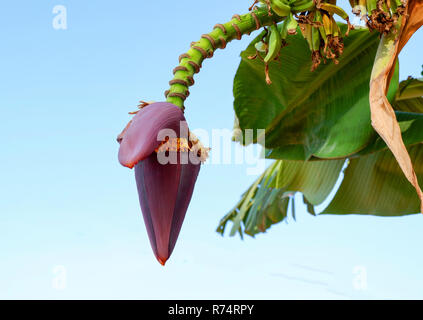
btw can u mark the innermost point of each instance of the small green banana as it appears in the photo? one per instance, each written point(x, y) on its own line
point(275, 44)
point(292, 24)
point(315, 32)
point(327, 24)
point(319, 19)
point(333, 9)
point(302, 6)
point(280, 8)
point(315, 39)
point(307, 34)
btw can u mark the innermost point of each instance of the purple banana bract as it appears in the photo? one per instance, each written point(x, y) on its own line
point(164, 190)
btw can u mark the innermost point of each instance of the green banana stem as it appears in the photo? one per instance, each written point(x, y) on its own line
point(190, 62)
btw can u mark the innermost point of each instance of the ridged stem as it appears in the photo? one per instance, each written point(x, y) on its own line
point(191, 62)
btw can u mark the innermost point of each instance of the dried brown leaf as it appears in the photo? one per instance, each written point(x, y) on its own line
point(383, 116)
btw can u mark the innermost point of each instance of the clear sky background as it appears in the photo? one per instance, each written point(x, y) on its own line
point(70, 223)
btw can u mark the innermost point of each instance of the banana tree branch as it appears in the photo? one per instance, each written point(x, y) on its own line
point(191, 62)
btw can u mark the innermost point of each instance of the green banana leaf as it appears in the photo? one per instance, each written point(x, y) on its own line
point(372, 185)
point(375, 185)
point(411, 125)
point(409, 96)
point(410, 88)
point(409, 105)
point(258, 209)
point(409, 112)
point(266, 201)
point(324, 113)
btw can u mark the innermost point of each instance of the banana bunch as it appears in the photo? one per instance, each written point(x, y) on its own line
point(317, 24)
point(322, 33)
point(319, 28)
point(380, 15)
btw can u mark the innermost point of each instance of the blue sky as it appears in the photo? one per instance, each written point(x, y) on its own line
point(70, 223)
